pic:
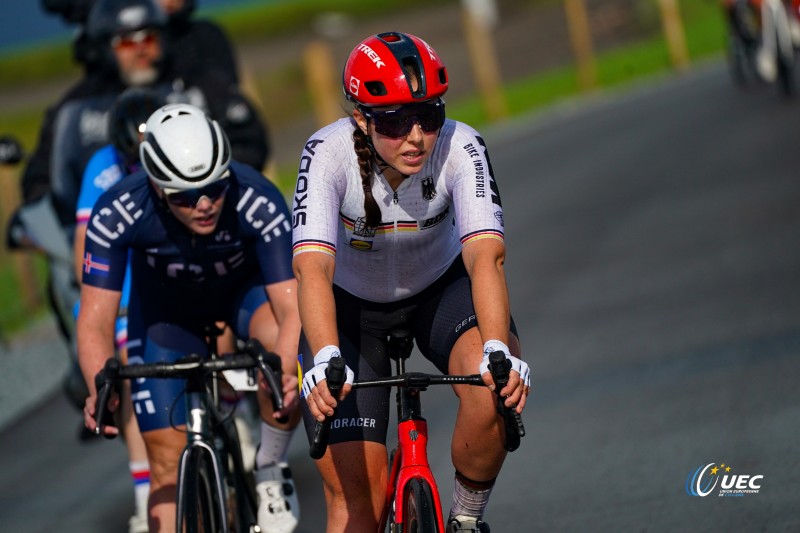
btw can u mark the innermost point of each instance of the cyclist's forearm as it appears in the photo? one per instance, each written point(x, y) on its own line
point(484, 262)
point(283, 298)
point(95, 331)
point(315, 296)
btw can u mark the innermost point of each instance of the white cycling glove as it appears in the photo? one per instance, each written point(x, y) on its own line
point(517, 364)
point(317, 373)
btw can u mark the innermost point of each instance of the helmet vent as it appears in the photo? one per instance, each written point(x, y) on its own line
point(376, 88)
point(153, 169)
point(413, 72)
point(389, 37)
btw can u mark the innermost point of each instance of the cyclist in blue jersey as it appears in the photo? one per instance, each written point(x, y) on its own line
point(398, 224)
point(107, 166)
point(208, 240)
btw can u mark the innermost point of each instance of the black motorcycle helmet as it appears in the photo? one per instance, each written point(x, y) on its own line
point(112, 17)
point(109, 18)
point(127, 118)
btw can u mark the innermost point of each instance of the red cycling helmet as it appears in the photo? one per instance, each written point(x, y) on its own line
point(375, 72)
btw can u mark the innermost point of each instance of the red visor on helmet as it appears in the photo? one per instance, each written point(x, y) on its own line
point(376, 71)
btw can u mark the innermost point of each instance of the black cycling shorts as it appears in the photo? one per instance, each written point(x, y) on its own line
point(436, 317)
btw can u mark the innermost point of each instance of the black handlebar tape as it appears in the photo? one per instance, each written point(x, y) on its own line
point(500, 368)
point(105, 381)
point(335, 375)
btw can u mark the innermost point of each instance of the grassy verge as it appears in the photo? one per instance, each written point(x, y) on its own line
point(705, 36)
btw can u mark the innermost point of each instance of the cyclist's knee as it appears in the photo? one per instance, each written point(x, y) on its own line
point(163, 453)
point(467, 352)
point(264, 326)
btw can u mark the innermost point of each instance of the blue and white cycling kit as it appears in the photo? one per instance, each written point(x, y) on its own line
point(181, 282)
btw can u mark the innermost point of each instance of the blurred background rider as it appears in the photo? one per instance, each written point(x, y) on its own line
point(129, 47)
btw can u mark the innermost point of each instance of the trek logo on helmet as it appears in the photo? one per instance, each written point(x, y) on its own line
point(355, 83)
point(370, 53)
point(431, 52)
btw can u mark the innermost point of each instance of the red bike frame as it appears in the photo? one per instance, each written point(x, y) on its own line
point(410, 461)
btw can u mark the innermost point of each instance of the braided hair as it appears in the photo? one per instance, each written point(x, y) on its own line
point(366, 154)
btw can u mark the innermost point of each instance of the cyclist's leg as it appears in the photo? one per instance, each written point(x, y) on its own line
point(254, 318)
point(354, 478)
point(475, 455)
point(477, 445)
point(134, 443)
point(445, 328)
point(159, 406)
point(163, 452)
point(354, 470)
point(278, 504)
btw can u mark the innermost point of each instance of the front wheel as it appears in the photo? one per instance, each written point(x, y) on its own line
point(420, 512)
point(199, 502)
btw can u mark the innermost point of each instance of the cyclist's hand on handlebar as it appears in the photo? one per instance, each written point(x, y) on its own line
point(320, 401)
point(90, 413)
point(291, 397)
point(289, 388)
point(519, 381)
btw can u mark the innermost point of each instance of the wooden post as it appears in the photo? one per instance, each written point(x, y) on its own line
point(22, 261)
point(580, 36)
point(484, 65)
point(322, 82)
point(673, 31)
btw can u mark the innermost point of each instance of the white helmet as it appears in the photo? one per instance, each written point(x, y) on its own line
point(182, 149)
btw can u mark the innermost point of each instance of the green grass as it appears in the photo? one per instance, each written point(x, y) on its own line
point(15, 313)
point(703, 25)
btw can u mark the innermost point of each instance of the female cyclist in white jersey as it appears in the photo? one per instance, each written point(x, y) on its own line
point(398, 225)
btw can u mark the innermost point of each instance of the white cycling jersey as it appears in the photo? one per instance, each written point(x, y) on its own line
point(424, 223)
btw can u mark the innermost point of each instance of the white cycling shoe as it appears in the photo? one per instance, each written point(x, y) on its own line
point(766, 65)
point(461, 523)
point(138, 524)
point(278, 506)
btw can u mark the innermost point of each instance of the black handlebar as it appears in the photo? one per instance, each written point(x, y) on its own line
point(335, 376)
point(500, 367)
point(253, 355)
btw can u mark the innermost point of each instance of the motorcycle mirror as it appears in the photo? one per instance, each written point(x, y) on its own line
point(10, 151)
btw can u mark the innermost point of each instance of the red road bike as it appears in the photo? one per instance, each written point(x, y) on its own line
point(412, 497)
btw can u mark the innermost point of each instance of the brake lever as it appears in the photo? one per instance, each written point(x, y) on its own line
point(500, 368)
point(105, 383)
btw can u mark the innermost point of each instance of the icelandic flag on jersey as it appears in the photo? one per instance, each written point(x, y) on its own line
point(94, 265)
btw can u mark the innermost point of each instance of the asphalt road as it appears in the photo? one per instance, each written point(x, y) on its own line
point(653, 259)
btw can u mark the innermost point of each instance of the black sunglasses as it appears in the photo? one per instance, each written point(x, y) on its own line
point(398, 122)
point(190, 197)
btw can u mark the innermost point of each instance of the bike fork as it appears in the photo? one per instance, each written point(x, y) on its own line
point(201, 448)
point(413, 440)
